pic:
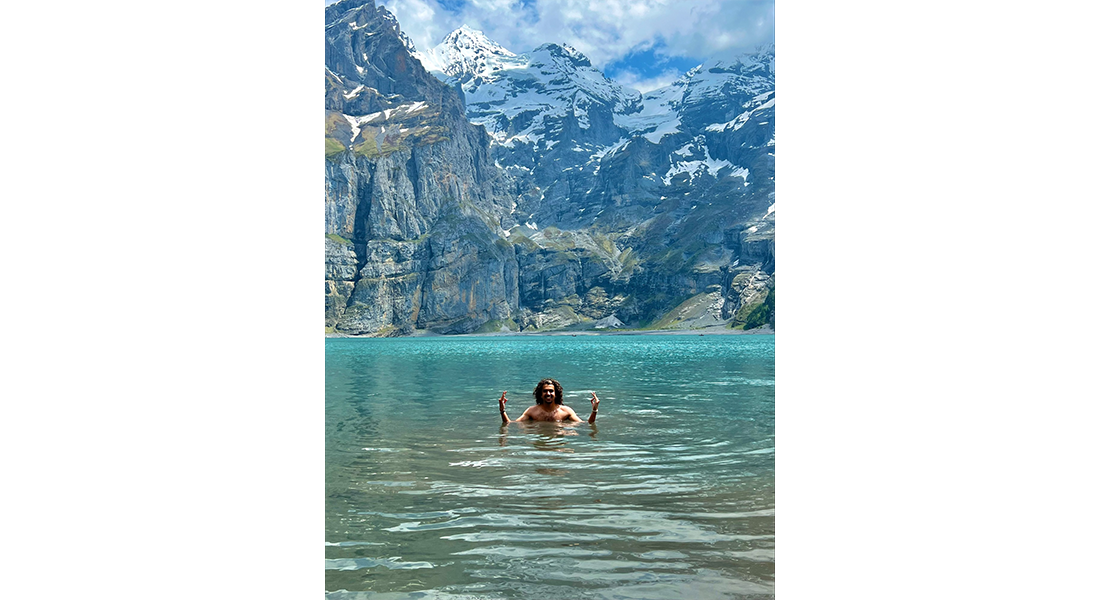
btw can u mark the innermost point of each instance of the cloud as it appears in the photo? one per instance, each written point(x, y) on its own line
point(604, 30)
point(422, 20)
point(632, 79)
point(514, 24)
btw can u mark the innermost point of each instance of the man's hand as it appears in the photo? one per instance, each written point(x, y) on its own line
point(503, 400)
point(595, 401)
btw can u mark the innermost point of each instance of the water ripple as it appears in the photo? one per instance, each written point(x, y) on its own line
point(670, 495)
point(352, 564)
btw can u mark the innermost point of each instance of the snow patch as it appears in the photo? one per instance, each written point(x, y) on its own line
point(695, 167)
point(743, 173)
point(686, 150)
point(608, 151)
point(739, 121)
point(358, 122)
point(353, 93)
point(666, 128)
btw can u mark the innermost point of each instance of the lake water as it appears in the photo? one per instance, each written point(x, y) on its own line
point(670, 494)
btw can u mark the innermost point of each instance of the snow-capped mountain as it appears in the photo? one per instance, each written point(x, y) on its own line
point(504, 89)
point(467, 51)
point(563, 127)
point(709, 92)
point(533, 97)
point(544, 194)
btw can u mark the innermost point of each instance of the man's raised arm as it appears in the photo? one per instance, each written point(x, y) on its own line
point(503, 416)
point(595, 405)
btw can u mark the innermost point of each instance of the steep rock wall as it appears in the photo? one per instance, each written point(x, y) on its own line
point(425, 229)
point(412, 200)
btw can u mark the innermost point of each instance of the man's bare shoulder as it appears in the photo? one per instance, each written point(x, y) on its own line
point(566, 414)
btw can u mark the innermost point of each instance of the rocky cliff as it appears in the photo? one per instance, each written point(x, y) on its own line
point(410, 191)
point(530, 192)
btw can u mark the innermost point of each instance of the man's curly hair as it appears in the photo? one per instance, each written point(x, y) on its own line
point(557, 390)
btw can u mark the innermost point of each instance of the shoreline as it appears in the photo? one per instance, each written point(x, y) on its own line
point(702, 331)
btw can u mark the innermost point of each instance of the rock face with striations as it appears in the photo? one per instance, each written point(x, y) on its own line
point(531, 192)
point(410, 191)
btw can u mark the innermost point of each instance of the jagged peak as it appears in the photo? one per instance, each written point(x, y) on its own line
point(343, 5)
point(357, 13)
point(466, 51)
point(564, 51)
point(465, 30)
point(351, 10)
point(763, 58)
point(467, 37)
point(335, 11)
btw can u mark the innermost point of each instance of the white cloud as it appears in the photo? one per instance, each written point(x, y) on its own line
point(422, 20)
point(643, 85)
point(604, 30)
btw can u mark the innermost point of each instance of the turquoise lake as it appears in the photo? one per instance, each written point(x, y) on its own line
point(671, 494)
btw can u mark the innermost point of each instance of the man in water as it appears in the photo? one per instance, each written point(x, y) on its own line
point(548, 406)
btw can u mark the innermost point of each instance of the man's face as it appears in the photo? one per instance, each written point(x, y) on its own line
point(546, 393)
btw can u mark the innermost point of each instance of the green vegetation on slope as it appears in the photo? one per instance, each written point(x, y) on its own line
point(760, 314)
point(339, 239)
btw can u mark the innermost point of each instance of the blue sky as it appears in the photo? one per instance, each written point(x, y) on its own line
point(641, 43)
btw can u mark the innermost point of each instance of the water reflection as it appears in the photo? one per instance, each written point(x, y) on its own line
point(556, 472)
point(543, 435)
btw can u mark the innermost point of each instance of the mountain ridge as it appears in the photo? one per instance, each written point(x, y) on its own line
point(583, 199)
